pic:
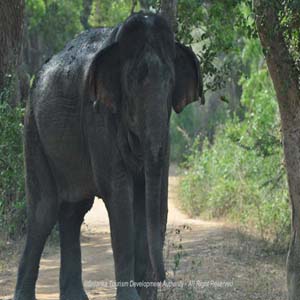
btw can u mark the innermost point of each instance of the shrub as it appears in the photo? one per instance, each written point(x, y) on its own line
point(241, 175)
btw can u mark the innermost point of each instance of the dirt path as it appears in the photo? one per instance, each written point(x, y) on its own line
point(212, 259)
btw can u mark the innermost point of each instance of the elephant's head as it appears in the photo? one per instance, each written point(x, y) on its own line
point(140, 77)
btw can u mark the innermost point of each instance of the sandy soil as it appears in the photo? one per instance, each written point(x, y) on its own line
point(212, 259)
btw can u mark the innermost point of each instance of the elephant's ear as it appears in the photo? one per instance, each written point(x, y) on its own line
point(103, 78)
point(188, 78)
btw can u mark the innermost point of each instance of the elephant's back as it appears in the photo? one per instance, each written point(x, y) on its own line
point(66, 69)
point(59, 89)
point(79, 52)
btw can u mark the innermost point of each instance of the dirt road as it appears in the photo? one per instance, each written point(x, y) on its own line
point(205, 260)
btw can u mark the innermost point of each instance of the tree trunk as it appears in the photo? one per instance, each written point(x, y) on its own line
point(11, 24)
point(86, 12)
point(145, 5)
point(169, 11)
point(285, 78)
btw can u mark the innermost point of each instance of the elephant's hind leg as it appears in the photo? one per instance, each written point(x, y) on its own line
point(42, 208)
point(70, 219)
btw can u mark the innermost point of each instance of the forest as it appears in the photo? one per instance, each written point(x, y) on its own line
point(237, 156)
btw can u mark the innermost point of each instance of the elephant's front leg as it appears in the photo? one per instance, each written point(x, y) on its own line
point(120, 210)
point(143, 269)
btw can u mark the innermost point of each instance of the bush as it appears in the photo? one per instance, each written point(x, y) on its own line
point(183, 128)
point(241, 175)
point(12, 194)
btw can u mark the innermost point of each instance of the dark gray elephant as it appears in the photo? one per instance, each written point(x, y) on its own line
point(97, 124)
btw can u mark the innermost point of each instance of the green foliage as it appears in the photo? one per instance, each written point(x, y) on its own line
point(217, 30)
point(35, 10)
point(184, 127)
point(12, 194)
point(55, 22)
point(109, 13)
point(241, 175)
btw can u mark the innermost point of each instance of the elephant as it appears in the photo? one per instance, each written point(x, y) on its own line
point(97, 125)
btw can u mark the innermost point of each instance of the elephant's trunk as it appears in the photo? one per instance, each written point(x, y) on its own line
point(154, 112)
point(153, 176)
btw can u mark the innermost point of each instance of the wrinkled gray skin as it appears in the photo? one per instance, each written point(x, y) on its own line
point(97, 124)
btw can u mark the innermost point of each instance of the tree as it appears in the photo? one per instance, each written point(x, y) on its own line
point(50, 24)
point(169, 11)
point(168, 8)
point(12, 208)
point(278, 27)
point(145, 4)
point(11, 24)
point(86, 12)
point(108, 13)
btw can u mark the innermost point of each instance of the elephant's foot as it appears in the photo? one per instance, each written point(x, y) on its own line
point(127, 293)
point(149, 293)
point(24, 295)
point(73, 294)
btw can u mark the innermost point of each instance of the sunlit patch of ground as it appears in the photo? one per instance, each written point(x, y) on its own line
point(212, 261)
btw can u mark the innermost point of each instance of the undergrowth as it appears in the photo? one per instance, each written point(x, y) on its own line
point(12, 193)
point(241, 175)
